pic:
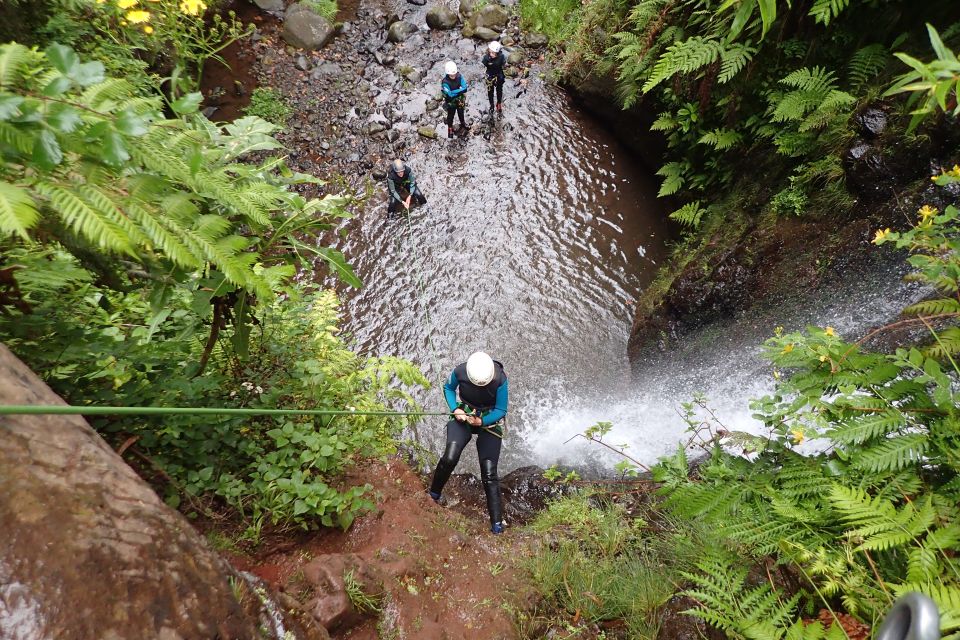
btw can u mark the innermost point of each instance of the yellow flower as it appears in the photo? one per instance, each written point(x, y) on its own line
point(126, 4)
point(192, 7)
point(137, 17)
point(829, 331)
point(797, 435)
point(823, 358)
point(788, 348)
point(881, 235)
point(147, 29)
point(926, 212)
point(955, 172)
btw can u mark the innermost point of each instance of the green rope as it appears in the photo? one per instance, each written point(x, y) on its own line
point(95, 410)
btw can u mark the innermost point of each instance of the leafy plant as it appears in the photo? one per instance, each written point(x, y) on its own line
point(326, 8)
point(269, 104)
point(936, 82)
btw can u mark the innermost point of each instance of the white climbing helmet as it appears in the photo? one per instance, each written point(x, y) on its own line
point(450, 68)
point(480, 369)
point(398, 165)
point(494, 46)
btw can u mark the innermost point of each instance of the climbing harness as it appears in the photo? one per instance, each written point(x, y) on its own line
point(500, 424)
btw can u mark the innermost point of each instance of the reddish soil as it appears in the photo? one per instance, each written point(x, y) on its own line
point(445, 576)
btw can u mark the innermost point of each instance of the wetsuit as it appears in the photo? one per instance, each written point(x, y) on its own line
point(495, 75)
point(489, 402)
point(454, 96)
point(407, 183)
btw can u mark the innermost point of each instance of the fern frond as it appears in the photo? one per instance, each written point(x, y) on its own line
point(673, 173)
point(733, 60)
point(894, 454)
point(933, 307)
point(869, 427)
point(689, 215)
point(867, 63)
point(946, 344)
point(721, 139)
point(13, 59)
point(823, 11)
point(86, 220)
point(683, 57)
point(18, 211)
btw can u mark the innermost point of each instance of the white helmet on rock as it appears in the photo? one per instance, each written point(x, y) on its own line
point(480, 369)
point(495, 46)
point(450, 68)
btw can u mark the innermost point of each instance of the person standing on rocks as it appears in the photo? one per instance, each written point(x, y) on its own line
point(454, 87)
point(482, 406)
point(400, 180)
point(494, 60)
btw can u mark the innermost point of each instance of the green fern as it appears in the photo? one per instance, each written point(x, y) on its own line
point(734, 59)
point(684, 57)
point(18, 211)
point(866, 63)
point(689, 215)
point(673, 173)
point(721, 139)
point(823, 11)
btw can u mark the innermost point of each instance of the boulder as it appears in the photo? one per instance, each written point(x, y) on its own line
point(330, 605)
point(441, 17)
point(526, 493)
point(515, 57)
point(467, 8)
point(535, 40)
point(88, 550)
point(391, 18)
point(492, 16)
point(305, 29)
point(485, 34)
point(427, 132)
point(400, 31)
point(271, 6)
point(870, 123)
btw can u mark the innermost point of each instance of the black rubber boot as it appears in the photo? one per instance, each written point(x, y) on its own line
point(491, 486)
point(445, 466)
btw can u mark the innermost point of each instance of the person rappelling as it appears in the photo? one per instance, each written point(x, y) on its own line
point(480, 410)
point(454, 88)
point(402, 187)
point(495, 60)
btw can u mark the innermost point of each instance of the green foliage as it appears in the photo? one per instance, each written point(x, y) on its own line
point(936, 82)
point(326, 8)
point(269, 104)
point(689, 215)
point(362, 601)
point(556, 19)
point(596, 565)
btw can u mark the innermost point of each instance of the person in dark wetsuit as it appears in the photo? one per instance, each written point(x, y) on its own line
point(494, 60)
point(400, 181)
point(482, 387)
point(454, 87)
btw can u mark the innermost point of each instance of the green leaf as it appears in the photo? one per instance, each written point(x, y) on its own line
point(10, 107)
point(131, 124)
point(46, 150)
point(57, 86)
point(338, 263)
point(88, 73)
point(114, 149)
point(18, 211)
point(189, 103)
point(64, 118)
point(63, 58)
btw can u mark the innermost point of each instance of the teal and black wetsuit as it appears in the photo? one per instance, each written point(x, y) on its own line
point(490, 402)
point(495, 75)
point(454, 96)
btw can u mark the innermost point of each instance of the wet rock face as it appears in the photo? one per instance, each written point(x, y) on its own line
point(526, 493)
point(87, 549)
point(400, 31)
point(441, 17)
point(305, 29)
point(870, 123)
point(535, 40)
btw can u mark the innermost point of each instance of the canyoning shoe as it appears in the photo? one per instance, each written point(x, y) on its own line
point(449, 132)
point(496, 528)
point(499, 108)
point(436, 497)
